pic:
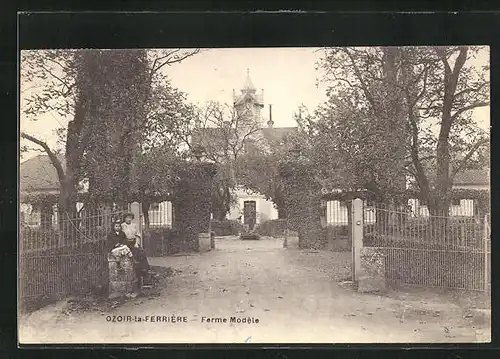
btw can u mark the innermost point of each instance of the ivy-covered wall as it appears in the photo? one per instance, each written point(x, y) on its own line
point(192, 204)
point(303, 203)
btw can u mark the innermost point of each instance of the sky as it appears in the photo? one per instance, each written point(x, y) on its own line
point(287, 76)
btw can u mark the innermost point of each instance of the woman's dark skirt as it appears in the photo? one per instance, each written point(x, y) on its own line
point(140, 259)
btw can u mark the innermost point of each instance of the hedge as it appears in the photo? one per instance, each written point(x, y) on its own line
point(272, 228)
point(226, 227)
point(161, 241)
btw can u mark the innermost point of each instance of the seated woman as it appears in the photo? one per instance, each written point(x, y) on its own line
point(132, 234)
point(116, 237)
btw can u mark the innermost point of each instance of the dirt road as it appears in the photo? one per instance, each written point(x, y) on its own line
point(288, 296)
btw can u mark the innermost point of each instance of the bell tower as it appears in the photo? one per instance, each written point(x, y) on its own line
point(249, 103)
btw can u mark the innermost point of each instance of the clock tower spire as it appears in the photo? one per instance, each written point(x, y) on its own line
point(249, 102)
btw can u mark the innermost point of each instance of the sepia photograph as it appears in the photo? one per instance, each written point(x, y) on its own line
point(254, 195)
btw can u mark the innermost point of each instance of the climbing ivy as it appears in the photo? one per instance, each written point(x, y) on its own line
point(192, 204)
point(303, 201)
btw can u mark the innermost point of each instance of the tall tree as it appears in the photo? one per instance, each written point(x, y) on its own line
point(416, 103)
point(223, 135)
point(56, 82)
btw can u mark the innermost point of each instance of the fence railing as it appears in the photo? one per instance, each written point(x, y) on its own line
point(432, 250)
point(66, 259)
point(395, 226)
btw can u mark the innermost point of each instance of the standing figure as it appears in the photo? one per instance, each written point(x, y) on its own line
point(132, 234)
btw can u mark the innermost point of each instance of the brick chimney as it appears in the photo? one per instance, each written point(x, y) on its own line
point(270, 123)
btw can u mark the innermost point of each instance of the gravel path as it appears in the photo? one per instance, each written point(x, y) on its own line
point(294, 295)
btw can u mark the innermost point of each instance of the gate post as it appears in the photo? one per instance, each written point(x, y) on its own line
point(486, 261)
point(135, 208)
point(357, 237)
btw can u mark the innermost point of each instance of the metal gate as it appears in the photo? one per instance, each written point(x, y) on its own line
point(430, 251)
point(68, 257)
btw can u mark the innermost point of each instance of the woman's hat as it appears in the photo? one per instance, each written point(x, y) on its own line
point(129, 214)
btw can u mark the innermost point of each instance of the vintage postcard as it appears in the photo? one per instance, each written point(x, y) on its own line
point(255, 195)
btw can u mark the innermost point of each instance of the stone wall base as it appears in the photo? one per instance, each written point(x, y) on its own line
point(372, 276)
point(205, 242)
point(291, 242)
point(122, 279)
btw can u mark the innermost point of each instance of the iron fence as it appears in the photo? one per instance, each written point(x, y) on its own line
point(65, 259)
point(431, 251)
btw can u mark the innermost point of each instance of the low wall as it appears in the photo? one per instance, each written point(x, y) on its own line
point(291, 242)
point(205, 242)
point(372, 277)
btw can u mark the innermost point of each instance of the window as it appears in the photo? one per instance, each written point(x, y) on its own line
point(455, 202)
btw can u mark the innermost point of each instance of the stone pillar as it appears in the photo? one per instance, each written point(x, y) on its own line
point(122, 279)
point(212, 240)
point(290, 241)
point(204, 242)
point(357, 236)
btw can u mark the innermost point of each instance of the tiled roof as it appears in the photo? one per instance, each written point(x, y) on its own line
point(38, 174)
point(277, 134)
point(257, 98)
point(473, 177)
point(213, 135)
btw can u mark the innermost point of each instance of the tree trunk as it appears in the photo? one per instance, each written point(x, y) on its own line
point(438, 221)
point(68, 221)
point(145, 211)
point(46, 215)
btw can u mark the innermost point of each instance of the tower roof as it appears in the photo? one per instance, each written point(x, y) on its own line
point(248, 86)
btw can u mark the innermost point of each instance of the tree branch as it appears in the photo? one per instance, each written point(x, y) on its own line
point(53, 158)
point(420, 174)
point(467, 157)
point(64, 83)
point(169, 61)
point(470, 89)
point(360, 78)
point(467, 108)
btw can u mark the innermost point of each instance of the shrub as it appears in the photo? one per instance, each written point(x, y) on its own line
point(160, 241)
point(226, 227)
point(272, 228)
point(337, 232)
